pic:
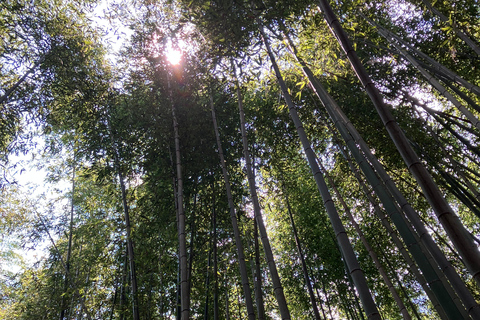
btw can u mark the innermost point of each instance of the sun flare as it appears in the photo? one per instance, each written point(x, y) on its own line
point(174, 56)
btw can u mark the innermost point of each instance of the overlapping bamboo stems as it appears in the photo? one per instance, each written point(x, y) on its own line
point(470, 147)
point(453, 185)
point(454, 164)
point(126, 213)
point(236, 232)
point(182, 242)
point(450, 221)
point(466, 38)
point(457, 91)
point(394, 212)
point(308, 283)
point(344, 243)
point(398, 243)
point(459, 190)
point(435, 65)
point(435, 83)
point(401, 306)
point(277, 285)
point(402, 226)
point(352, 137)
point(393, 273)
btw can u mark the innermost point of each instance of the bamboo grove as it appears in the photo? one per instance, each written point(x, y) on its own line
point(303, 160)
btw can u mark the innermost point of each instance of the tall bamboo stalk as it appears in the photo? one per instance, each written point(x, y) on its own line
point(277, 285)
point(236, 231)
point(258, 275)
point(182, 243)
point(69, 246)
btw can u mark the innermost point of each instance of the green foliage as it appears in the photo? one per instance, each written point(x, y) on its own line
point(101, 119)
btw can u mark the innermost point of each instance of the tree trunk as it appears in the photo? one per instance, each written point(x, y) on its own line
point(258, 275)
point(215, 259)
point(236, 231)
point(207, 286)
point(342, 239)
point(182, 243)
point(277, 285)
point(69, 247)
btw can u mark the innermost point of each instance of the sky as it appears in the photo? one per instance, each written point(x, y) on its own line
point(26, 172)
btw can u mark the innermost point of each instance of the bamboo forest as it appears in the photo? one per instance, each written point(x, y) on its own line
point(234, 159)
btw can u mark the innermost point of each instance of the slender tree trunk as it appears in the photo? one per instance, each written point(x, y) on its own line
point(130, 251)
point(321, 303)
point(123, 297)
point(454, 228)
point(308, 283)
point(236, 232)
point(258, 275)
point(69, 247)
point(227, 305)
point(207, 286)
point(342, 239)
point(277, 286)
point(215, 259)
point(193, 231)
point(131, 259)
point(182, 243)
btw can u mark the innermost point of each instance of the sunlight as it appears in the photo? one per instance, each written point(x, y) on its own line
point(174, 56)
